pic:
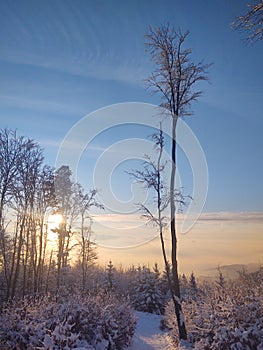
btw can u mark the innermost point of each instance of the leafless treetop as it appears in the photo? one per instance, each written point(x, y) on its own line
point(251, 22)
point(175, 74)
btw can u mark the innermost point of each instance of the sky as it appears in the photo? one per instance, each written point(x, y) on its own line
point(63, 64)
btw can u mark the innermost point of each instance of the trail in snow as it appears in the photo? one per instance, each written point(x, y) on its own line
point(148, 335)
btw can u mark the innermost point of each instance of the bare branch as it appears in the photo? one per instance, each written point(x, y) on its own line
point(175, 75)
point(251, 22)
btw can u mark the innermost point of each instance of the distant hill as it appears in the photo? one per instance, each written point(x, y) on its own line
point(230, 271)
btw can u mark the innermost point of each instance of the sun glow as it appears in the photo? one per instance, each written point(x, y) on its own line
point(54, 220)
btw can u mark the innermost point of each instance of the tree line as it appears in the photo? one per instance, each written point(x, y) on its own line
point(30, 192)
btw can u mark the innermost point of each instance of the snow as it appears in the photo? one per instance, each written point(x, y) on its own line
point(184, 345)
point(181, 318)
point(148, 335)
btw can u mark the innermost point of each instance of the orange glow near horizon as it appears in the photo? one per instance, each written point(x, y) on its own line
point(216, 240)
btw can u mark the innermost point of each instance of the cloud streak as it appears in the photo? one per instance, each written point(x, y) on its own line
point(255, 217)
point(75, 44)
point(252, 217)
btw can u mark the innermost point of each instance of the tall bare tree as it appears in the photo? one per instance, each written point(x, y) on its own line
point(74, 205)
point(44, 201)
point(251, 22)
point(24, 192)
point(28, 193)
point(174, 78)
point(10, 152)
point(20, 161)
point(88, 252)
point(152, 176)
point(66, 207)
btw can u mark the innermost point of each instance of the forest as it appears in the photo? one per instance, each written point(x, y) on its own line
point(55, 295)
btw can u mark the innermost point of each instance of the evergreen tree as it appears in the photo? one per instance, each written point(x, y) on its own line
point(221, 280)
point(110, 275)
point(147, 295)
point(192, 286)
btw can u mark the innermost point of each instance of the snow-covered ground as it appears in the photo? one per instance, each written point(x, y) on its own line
point(148, 335)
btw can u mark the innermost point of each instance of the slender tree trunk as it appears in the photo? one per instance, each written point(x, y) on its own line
point(40, 258)
point(159, 203)
point(8, 295)
point(3, 248)
point(18, 258)
point(48, 271)
point(25, 260)
point(166, 263)
point(5, 258)
point(177, 299)
point(60, 251)
point(42, 262)
point(83, 252)
point(83, 263)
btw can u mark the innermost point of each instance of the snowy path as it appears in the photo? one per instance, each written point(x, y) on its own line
point(148, 335)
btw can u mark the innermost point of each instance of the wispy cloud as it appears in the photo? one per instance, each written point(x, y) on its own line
point(119, 221)
point(129, 220)
point(73, 44)
point(232, 216)
point(49, 143)
point(39, 103)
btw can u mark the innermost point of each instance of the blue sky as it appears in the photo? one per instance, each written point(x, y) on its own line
point(61, 60)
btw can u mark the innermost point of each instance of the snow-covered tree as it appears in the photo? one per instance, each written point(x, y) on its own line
point(147, 295)
point(221, 282)
point(192, 283)
point(174, 79)
point(110, 272)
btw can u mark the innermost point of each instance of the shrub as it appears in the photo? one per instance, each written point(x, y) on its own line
point(67, 321)
point(228, 318)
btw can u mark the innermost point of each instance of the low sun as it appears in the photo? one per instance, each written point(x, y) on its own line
point(54, 220)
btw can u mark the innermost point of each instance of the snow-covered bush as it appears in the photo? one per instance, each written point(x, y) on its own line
point(228, 318)
point(146, 294)
point(67, 321)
